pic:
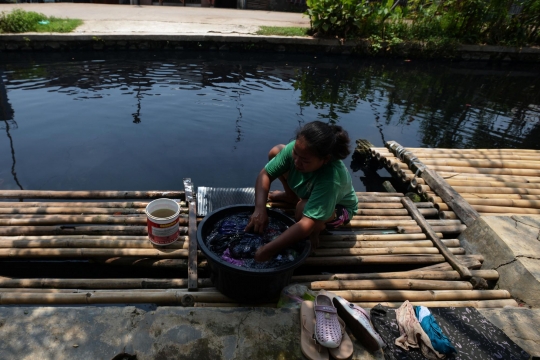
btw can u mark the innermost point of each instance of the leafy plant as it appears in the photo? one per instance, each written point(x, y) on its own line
point(504, 22)
point(20, 21)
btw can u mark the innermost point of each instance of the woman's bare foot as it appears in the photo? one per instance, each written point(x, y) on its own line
point(283, 196)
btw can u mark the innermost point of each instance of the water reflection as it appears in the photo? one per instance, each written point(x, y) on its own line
point(6, 115)
point(455, 107)
point(226, 111)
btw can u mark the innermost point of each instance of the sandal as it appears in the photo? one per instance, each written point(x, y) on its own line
point(345, 350)
point(327, 329)
point(358, 320)
point(310, 348)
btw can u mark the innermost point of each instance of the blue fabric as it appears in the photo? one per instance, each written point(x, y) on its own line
point(439, 341)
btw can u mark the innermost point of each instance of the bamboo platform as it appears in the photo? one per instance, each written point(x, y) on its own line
point(490, 181)
point(108, 229)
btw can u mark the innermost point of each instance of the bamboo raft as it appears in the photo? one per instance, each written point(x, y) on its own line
point(491, 181)
point(108, 229)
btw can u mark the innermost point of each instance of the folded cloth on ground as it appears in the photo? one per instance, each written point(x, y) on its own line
point(439, 341)
point(473, 336)
point(412, 334)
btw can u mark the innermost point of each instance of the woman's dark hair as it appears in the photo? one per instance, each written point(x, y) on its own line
point(325, 139)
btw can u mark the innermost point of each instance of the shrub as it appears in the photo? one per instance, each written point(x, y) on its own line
point(505, 22)
point(20, 21)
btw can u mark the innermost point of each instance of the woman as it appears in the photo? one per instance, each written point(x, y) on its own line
point(314, 178)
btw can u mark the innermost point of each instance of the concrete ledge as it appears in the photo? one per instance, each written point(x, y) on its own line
point(521, 325)
point(188, 333)
point(243, 42)
point(510, 245)
point(153, 333)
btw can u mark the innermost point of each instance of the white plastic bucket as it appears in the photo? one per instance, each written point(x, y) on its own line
point(163, 230)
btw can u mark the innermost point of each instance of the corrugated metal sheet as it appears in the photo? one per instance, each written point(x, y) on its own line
point(210, 199)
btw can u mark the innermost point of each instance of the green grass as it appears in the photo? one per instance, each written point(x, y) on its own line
point(20, 21)
point(282, 31)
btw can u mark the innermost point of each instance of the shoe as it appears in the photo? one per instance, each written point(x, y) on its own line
point(327, 328)
point(308, 344)
point(358, 320)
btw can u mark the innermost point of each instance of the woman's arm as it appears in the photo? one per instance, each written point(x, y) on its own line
point(259, 219)
point(292, 235)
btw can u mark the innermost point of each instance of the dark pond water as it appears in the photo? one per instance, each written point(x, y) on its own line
point(144, 121)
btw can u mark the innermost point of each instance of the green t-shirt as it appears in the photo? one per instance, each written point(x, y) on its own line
point(324, 188)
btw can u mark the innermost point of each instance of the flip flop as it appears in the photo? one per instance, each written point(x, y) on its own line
point(310, 348)
point(327, 329)
point(345, 350)
point(358, 320)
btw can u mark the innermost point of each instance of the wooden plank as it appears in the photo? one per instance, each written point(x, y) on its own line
point(448, 255)
point(192, 235)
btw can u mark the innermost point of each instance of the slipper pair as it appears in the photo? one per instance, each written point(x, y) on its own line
point(312, 338)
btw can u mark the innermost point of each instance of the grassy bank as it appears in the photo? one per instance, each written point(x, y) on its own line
point(282, 31)
point(20, 21)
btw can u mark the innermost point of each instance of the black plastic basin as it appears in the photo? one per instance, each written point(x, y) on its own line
point(242, 284)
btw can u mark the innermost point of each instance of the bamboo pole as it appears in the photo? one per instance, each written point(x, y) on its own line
point(514, 164)
point(87, 243)
point(381, 259)
point(93, 194)
point(382, 212)
point(391, 284)
point(535, 204)
point(479, 304)
point(505, 196)
point(91, 204)
point(480, 183)
point(426, 227)
point(495, 190)
point(92, 252)
point(78, 230)
point(449, 229)
point(426, 275)
point(383, 251)
point(502, 209)
point(378, 199)
point(382, 244)
point(120, 283)
point(468, 196)
point(380, 217)
point(479, 170)
point(474, 156)
point(488, 177)
point(371, 237)
point(394, 212)
point(70, 210)
point(421, 295)
point(229, 305)
point(80, 237)
point(447, 215)
point(172, 264)
point(394, 223)
point(68, 219)
point(379, 205)
point(473, 151)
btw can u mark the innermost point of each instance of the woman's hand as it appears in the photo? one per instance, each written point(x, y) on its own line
point(258, 222)
point(262, 254)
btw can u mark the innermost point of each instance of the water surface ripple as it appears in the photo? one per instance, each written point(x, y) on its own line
point(145, 121)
